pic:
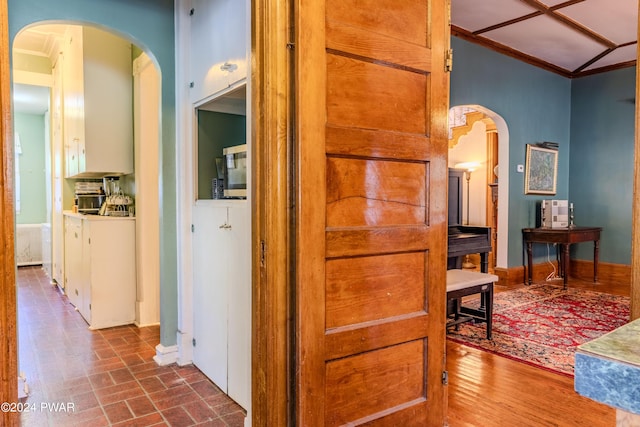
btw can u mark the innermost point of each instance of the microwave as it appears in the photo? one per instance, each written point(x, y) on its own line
point(235, 171)
point(89, 203)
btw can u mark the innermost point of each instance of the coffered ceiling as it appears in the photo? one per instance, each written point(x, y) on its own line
point(571, 38)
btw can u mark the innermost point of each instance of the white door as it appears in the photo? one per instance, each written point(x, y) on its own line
point(239, 341)
point(73, 260)
point(211, 260)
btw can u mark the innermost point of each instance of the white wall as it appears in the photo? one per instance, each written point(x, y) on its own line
point(472, 147)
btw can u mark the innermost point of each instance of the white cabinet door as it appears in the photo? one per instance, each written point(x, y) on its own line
point(85, 277)
point(239, 364)
point(211, 259)
point(111, 271)
point(73, 260)
point(73, 86)
point(218, 56)
point(98, 103)
point(107, 142)
point(222, 295)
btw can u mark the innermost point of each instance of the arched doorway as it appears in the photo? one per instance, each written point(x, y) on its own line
point(501, 175)
point(41, 46)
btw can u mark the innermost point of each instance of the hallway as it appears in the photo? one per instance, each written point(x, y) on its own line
point(78, 377)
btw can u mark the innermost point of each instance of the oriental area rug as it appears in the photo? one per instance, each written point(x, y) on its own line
point(542, 325)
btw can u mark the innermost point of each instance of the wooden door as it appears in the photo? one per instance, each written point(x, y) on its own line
point(371, 98)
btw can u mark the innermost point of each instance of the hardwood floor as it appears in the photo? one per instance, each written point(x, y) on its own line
point(487, 390)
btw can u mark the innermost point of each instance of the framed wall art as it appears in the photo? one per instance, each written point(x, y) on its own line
point(541, 170)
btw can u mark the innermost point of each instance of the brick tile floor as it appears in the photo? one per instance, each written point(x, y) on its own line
point(78, 377)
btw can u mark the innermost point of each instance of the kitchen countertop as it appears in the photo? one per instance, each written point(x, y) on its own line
point(607, 369)
point(97, 217)
point(622, 344)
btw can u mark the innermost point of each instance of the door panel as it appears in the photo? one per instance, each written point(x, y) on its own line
point(371, 96)
point(371, 141)
point(391, 193)
point(376, 382)
point(366, 289)
point(210, 297)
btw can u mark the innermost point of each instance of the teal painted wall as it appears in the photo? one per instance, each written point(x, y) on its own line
point(601, 162)
point(215, 132)
point(536, 106)
point(149, 24)
point(33, 195)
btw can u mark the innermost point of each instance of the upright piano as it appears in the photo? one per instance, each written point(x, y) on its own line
point(464, 239)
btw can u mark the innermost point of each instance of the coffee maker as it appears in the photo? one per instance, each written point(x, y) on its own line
point(116, 203)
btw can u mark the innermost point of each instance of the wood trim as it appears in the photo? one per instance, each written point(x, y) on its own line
point(463, 34)
point(505, 50)
point(311, 118)
point(635, 215)
point(607, 272)
point(8, 312)
point(579, 269)
point(551, 13)
point(270, 96)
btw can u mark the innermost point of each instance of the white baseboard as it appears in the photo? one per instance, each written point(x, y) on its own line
point(166, 355)
point(145, 325)
point(23, 388)
point(185, 351)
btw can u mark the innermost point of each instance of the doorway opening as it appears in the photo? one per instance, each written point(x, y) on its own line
point(479, 144)
point(42, 59)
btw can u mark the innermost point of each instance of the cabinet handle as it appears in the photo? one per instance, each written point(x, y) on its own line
point(225, 226)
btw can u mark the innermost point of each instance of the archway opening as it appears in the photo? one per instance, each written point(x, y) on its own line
point(42, 58)
point(471, 143)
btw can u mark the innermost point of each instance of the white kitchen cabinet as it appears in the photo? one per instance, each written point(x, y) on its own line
point(98, 103)
point(73, 259)
point(219, 35)
point(222, 295)
point(100, 268)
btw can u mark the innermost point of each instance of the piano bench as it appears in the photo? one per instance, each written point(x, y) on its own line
point(461, 283)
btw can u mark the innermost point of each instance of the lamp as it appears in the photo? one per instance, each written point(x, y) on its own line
point(468, 167)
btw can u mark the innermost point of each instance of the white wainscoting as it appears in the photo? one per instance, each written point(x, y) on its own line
point(28, 244)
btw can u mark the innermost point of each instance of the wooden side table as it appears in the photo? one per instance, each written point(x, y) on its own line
point(564, 237)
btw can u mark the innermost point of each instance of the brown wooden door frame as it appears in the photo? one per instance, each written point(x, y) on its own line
point(271, 240)
point(8, 312)
point(635, 226)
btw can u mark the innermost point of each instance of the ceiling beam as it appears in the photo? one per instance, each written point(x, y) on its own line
point(513, 53)
point(552, 13)
point(506, 50)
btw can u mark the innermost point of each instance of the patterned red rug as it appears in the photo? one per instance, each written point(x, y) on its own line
point(542, 324)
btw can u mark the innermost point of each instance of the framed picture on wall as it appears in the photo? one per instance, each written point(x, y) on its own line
point(541, 170)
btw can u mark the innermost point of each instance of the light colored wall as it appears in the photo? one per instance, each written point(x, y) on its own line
point(472, 147)
point(31, 63)
point(33, 195)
